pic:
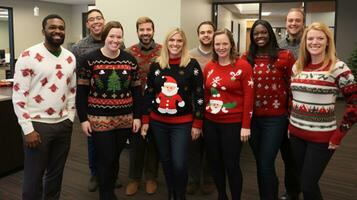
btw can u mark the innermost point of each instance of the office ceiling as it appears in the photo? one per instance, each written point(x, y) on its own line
point(71, 2)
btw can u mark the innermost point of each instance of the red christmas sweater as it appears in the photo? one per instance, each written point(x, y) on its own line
point(229, 92)
point(271, 83)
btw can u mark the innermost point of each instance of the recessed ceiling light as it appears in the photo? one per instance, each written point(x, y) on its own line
point(266, 13)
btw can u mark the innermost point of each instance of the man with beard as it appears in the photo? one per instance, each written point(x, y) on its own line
point(197, 159)
point(44, 102)
point(295, 27)
point(143, 153)
point(95, 24)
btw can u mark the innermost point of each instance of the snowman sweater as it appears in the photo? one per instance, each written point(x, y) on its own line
point(174, 94)
point(314, 97)
point(44, 87)
point(229, 92)
point(271, 84)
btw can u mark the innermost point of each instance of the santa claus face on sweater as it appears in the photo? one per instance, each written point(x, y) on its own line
point(215, 106)
point(169, 89)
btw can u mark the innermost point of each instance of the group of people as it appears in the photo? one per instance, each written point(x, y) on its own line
point(192, 110)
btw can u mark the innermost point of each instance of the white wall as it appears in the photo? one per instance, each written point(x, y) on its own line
point(76, 28)
point(4, 35)
point(27, 27)
point(166, 14)
point(193, 12)
point(327, 18)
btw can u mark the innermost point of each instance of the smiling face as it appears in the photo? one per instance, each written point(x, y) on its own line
point(114, 39)
point(145, 33)
point(316, 43)
point(95, 23)
point(205, 34)
point(54, 32)
point(294, 23)
point(175, 45)
point(260, 35)
point(222, 46)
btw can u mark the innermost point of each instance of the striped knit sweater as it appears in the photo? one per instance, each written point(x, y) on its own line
point(314, 93)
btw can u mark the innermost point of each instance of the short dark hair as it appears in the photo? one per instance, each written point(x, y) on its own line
point(142, 20)
point(203, 23)
point(94, 10)
point(108, 27)
point(51, 16)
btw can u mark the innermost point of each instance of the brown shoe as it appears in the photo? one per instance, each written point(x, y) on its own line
point(208, 188)
point(151, 187)
point(132, 188)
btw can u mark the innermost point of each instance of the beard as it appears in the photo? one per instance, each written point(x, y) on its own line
point(169, 93)
point(144, 41)
point(54, 42)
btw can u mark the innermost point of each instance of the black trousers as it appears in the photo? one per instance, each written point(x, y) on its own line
point(108, 146)
point(291, 178)
point(143, 157)
point(311, 159)
point(223, 152)
point(44, 165)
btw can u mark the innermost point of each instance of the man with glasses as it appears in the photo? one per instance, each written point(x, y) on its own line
point(95, 24)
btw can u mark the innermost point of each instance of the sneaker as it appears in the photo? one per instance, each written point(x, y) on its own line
point(208, 188)
point(118, 184)
point(93, 184)
point(151, 187)
point(192, 188)
point(132, 188)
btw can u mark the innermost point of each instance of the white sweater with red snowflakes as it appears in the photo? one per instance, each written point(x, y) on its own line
point(44, 87)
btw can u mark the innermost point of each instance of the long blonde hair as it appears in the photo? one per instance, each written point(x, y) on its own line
point(305, 57)
point(164, 57)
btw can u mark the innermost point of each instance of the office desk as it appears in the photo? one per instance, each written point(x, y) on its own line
point(11, 146)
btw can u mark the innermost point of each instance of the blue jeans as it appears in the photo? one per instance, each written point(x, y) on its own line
point(172, 141)
point(267, 136)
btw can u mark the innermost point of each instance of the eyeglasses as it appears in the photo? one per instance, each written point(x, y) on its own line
point(92, 19)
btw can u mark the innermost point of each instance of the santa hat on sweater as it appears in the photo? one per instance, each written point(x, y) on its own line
point(216, 97)
point(169, 81)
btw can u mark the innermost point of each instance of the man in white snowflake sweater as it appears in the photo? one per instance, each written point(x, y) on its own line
point(44, 102)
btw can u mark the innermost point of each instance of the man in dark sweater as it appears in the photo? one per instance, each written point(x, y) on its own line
point(295, 27)
point(143, 153)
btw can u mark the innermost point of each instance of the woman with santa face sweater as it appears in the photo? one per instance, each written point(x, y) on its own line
point(229, 103)
point(272, 71)
point(174, 108)
point(317, 78)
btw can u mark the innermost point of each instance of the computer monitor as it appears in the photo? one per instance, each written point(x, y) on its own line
point(2, 57)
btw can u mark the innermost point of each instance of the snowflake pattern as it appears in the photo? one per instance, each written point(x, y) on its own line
point(157, 72)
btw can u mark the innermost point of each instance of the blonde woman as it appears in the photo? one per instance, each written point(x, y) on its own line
point(174, 108)
point(314, 133)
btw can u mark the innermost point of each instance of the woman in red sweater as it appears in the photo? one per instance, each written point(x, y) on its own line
point(174, 108)
point(317, 79)
point(272, 71)
point(229, 103)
